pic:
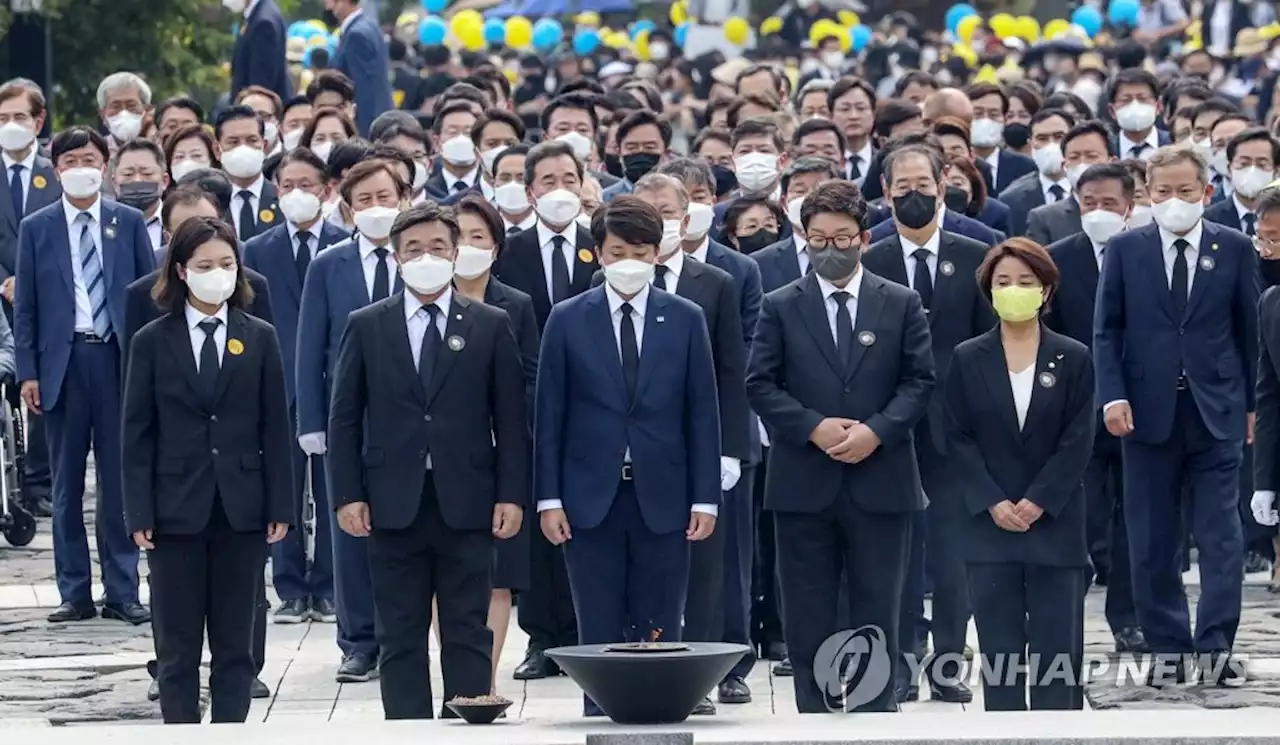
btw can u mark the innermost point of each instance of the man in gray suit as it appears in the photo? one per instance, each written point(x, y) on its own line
point(1049, 184)
point(1086, 144)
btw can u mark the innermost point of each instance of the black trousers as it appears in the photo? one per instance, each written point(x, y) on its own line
point(205, 582)
point(546, 608)
point(1108, 540)
point(411, 566)
point(1032, 616)
point(943, 554)
point(766, 603)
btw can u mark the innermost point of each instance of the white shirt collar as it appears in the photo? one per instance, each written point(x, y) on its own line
point(1152, 143)
point(313, 231)
point(367, 247)
point(854, 287)
point(350, 20)
point(1192, 237)
point(933, 245)
point(801, 243)
point(255, 189)
point(863, 156)
point(993, 159)
point(194, 317)
point(675, 264)
point(412, 304)
point(95, 210)
point(525, 224)
point(700, 253)
point(468, 179)
point(545, 233)
point(1046, 182)
point(29, 162)
point(638, 303)
point(1241, 210)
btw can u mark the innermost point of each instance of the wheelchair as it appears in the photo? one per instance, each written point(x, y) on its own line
point(16, 524)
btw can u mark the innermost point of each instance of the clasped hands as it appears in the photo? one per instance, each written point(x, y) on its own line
point(845, 440)
point(354, 519)
point(1015, 518)
point(145, 539)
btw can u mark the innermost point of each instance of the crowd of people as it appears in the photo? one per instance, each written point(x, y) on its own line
point(844, 346)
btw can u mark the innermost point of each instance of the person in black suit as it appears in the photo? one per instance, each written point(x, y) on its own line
point(551, 262)
point(938, 265)
point(1049, 184)
point(259, 55)
point(1106, 196)
point(429, 457)
point(841, 372)
point(1254, 156)
point(481, 240)
point(986, 131)
point(243, 144)
point(451, 137)
point(1020, 420)
point(1267, 440)
point(205, 374)
point(1135, 105)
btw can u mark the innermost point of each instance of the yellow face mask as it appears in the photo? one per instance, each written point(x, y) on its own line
point(1017, 304)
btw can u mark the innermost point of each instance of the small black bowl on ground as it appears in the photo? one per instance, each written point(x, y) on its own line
point(475, 713)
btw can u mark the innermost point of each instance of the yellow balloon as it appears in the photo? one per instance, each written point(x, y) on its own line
point(519, 32)
point(641, 46)
point(771, 25)
point(464, 21)
point(965, 52)
point(1055, 28)
point(679, 13)
point(1269, 32)
point(1027, 29)
point(317, 23)
point(737, 31)
point(1003, 25)
point(848, 18)
point(822, 29)
point(407, 19)
point(617, 40)
point(587, 18)
point(966, 27)
point(317, 41)
point(472, 38)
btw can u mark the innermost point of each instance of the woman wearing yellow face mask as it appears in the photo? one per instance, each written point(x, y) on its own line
point(1020, 415)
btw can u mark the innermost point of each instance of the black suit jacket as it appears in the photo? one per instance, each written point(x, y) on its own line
point(795, 380)
point(437, 188)
point(1013, 166)
point(1071, 306)
point(779, 264)
point(519, 308)
point(1043, 461)
point(259, 55)
point(269, 214)
point(1266, 444)
point(1022, 196)
point(1054, 222)
point(715, 292)
point(472, 418)
point(959, 310)
point(181, 450)
point(520, 266)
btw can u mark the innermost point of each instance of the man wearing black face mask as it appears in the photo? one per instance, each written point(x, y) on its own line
point(940, 267)
point(643, 140)
point(140, 178)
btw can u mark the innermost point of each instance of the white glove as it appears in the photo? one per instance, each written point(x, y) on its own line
point(312, 443)
point(730, 472)
point(1263, 506)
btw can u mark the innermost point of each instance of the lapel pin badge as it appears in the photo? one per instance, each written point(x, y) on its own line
point(867, 338)
point(235, 346)
point(110, 231)
point(1214, 247)
point(1050, 365)
point(456, 343)
point(659, 319)
point(1206, 264)
point(585, 256)
point(266, 215)
point(458, 317)
point(1060, 355)
point(947, 268)
point(39, 182)
point(1047, 379)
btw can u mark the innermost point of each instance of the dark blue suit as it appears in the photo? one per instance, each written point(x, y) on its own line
point(80, 386)
point(996, 215)
point(1013, 166)
point(779, 264)
point(335, 287)
point(1190, 382)
point(952, 222)
point(628, 560)
point(362, 56)
point(259, 56)
point(272, 255)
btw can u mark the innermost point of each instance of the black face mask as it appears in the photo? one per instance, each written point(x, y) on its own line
point(636, 165)
point(957, 200)
point(726, 180)
point(915, 210)
point(749, 244)
point(330, 19)
point(613, 164)
point(141, 195)
point(1017, 136)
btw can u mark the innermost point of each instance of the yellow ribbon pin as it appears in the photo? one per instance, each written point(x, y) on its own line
point(266, 216)
point(585, 256)
point(235, 346)
point(39, 182)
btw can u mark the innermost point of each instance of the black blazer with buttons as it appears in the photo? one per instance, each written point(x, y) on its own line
point(519, 265)
point(1044, 461)
point(472, 418)
point(181, 450)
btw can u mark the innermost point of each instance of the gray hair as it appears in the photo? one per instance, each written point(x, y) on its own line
point(119, 81)
point(1172, 155)
point(652, 182)
point(817, 85)
point(899, 153)
point(1268, 201)
point(691, 172)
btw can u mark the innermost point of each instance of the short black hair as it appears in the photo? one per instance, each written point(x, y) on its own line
point(931, 154)
point(179, 102)
point(1237, 117)
point(757, 126)
point(74, 138)
point(545, 150)
point(814, 126)
point(331, 81)
point(394, 154)
point(454, 107)
point(630, 218)
point(236, 113)
point(1091, 127)
point(574, 102)
point(345, 155)
point(642, 118)
point(1268, 201)
point(982, 90)
point(369, 168)
point(465, 92)
point(1107, 172)
point(581, 85)
point(520, 149)
point(306, 157)
point(719, 134)
point(841, 197)
point(170, 292)
point(139, 145)
point(396, 123)
point(846, 84)
point(296, 101)
point(893, 112)
point(1213, 106)
point(1049, 112)
point(497, 115)
point(1193, 88)
point(806, 165)
point(213, 182)
point(1135, 76)
point(1254, 134)
point(915, 77)
point(426, 212)
point(652, 97)
point(1063, 99)
point(181, 196)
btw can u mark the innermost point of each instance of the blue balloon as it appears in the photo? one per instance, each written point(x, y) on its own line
point(861, 36)
point(1124, 12)
point(298, 29)
point(547, 34)
point(1088, 18)
point(585, 41)
point(434, 6)
point(957, 13)
point(495, 31)
point(681, 33)
point(313, 32)
point(644, 25)
point(432, 31)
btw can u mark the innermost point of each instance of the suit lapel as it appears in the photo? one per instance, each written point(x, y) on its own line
point(896, 265)
point(180, 348)
point(690, 284)
point(533, 257)
point(1203, 273)
point(63, 256)
point(582, 270)
point(268, 210)
point(110, 243)
point(654, 333)
point(601, 326)
point(288, 267)
point(6, 199)
point(457, 326)
point(790, 262)
point(1152, 261)
point(1048, 372)
point(231, 359)
point(353, 272)
point(870, 304)
point(994, 371)
point(1087, 262)
point(397, 330)
point(813, 307)
point(944, 282)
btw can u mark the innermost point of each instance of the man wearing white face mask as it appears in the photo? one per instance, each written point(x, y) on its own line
point(1049, 184)
point(1252, 156)
point(759, 158)
point(29, 182)
point(68, 324)
point(240, 138)
point(341, 279)
point(572, 118)
point(492, 134)
point(509, 194)
point(986, 133)
point(1221, 133)
point(259, 55)
point(451, 135)
point(1087, 144)
point(1135, 104)
point(123, 100)
point(1175, 375)
point(400, 130)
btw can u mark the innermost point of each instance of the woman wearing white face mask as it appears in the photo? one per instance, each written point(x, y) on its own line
point(327, 129)
point(190, 149)
point(207, 372)
point(1252, 156)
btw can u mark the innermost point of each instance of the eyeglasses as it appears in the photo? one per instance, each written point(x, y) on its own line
point(841, 242)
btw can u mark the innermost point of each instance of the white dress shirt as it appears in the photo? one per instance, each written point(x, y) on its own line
point(1022, 384)
point(155, 231)
point(1241, 211)
point(675, 267)
point(933, 246)
point(854, 288)
point(27, 164)
point(546, 238)
point(1047, 183)
point(369, 262)
point(1149, 145)
point(523, 225)
point(84, 311)
point(700, 253)
point(993, 162)
point(467, 179)
point(417, 325)
point(313, 245)
point(863, 159)
point(802, 252)
point(194, 318)
point(255, 200)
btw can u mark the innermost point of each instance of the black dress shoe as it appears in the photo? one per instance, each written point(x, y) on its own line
point(733, 690)
point(1166, 672)
point(1129, 640)
point(950, 692)
point(73, 612)
point(1101, 576)
point(704, 708)
point(38, 504)
point(903, 694)
point(776, 651)
point(1223, 670)
point(153, 691)
point(1255, 562)
point(536, 666)
point(134, 613)
point(783, 669)
point(258, 689)
point(292, 612)
point(323, 610)
point(357, 668)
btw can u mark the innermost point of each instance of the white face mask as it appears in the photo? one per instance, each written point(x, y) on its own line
point(700, 218)
point(300, 206)
point(1089, 91)
point(1048, 159)
point(15, 137)
point(426, 274)
point(756, 171)
point(472, 261)
point(244, 161)
point(489, 156)
point(833, 60)
point(793, 211)
point(124, 126)
point(1101, 225)
point(1139, 216)
point(1075, 172)
point(986, 133)
point(629, 276)
point(1136, 116)
point(212, 287)
point(659, 52)
point(419, 176)
point(375, 223)
point(458, 151)
point(1177, 216)
point(672, 235)
point(511, 198)
point(235, 6)
point(1249, 181)
point(1218, 162)
point(558, 207)
point(1204, 147)
point(292, 138)
point(183, 167)
point(271, 131)
point(81, 183)
point(322, 150)
point(580, 143)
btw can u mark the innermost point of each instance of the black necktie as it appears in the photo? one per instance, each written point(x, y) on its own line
point(1057, 192)
point(1250, 224)
point(630, 350)
point(559, 270)
point(15, 189)
point(459, 186)
point(1179, 284)
point(855, 172)
point(381, 276)
point(660, 277)
point(1137, 150)
point(430, 347)
point(302, 259)
point(247, 223)
point(844, 328)
point(209, 357)
point(513, 230)
point(922, 280)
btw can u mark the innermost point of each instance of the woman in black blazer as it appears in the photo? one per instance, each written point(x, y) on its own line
point(1021, 417)
point(208, 477)
point(481, 241)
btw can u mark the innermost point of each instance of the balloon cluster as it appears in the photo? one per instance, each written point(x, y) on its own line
point(315, 35)
point(1086, 21)
point(853, 34)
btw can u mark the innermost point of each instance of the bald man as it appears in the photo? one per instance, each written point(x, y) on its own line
point(947, 102)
